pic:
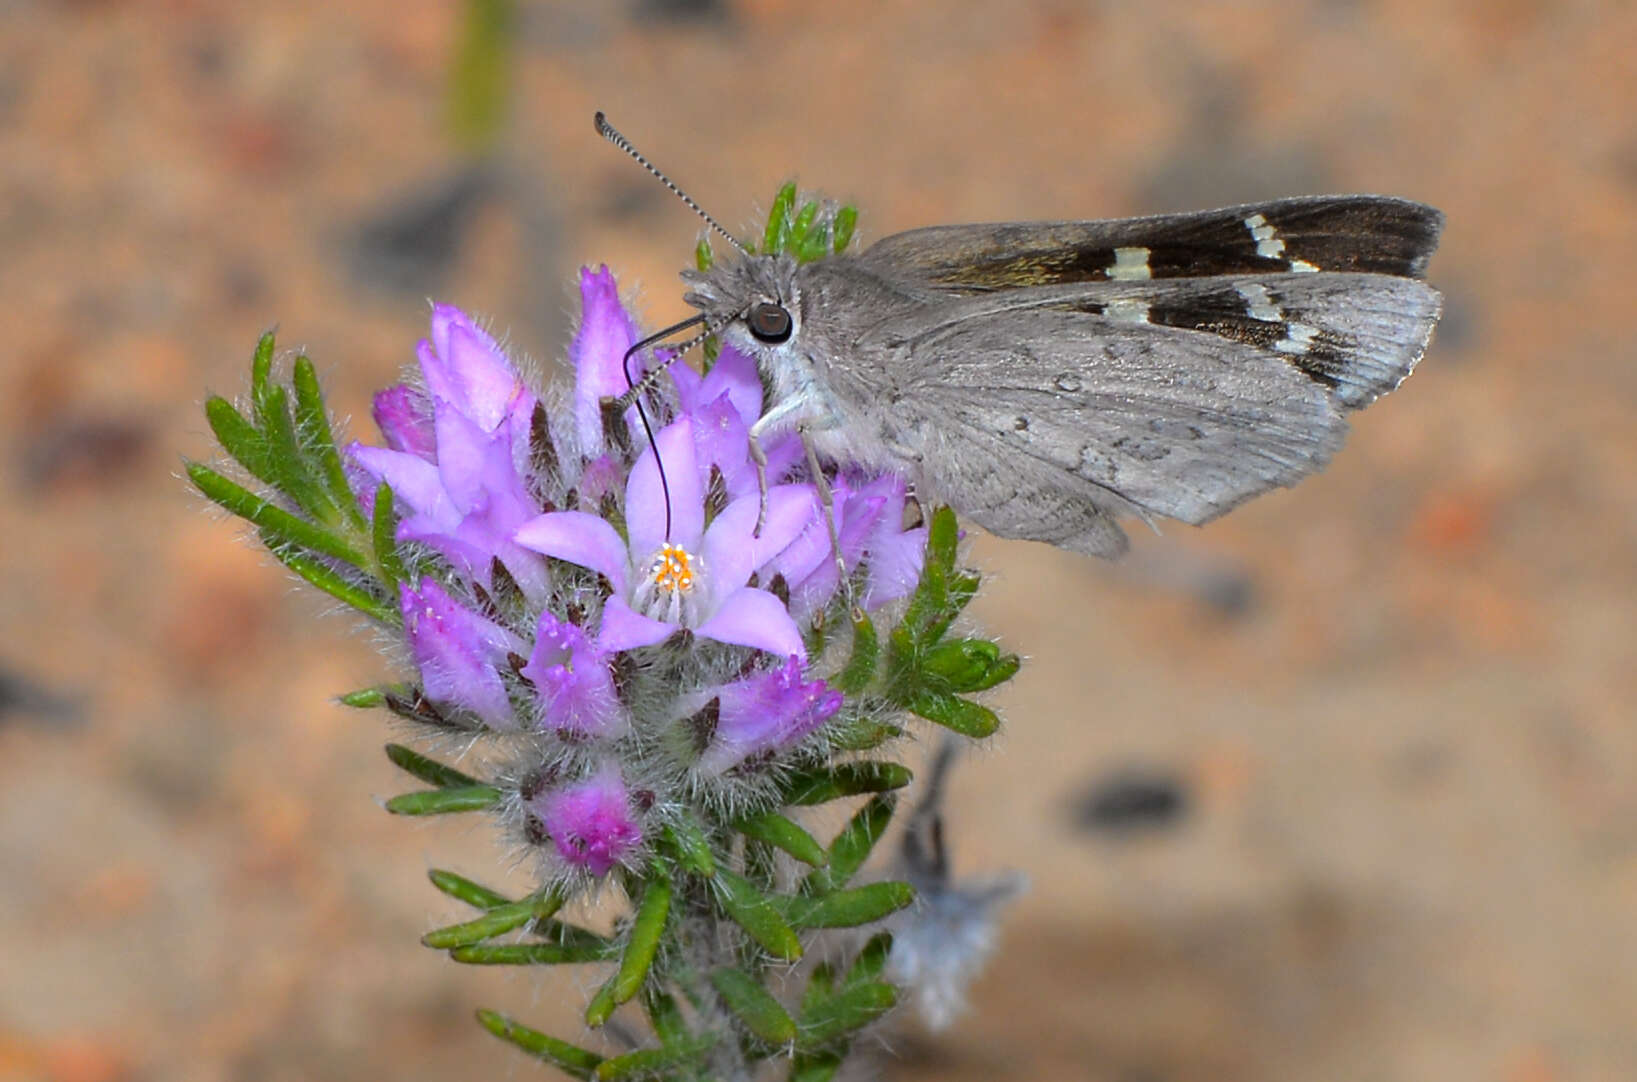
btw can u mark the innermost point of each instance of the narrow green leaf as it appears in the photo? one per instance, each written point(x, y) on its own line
point(943, 537)
point(846, 222)
point(757, 915)
point(239, 437)
point(602, 1005)
point(318, 439)
point(861, 664)
point(751, 1003)
point(872, 959)
point(815, 1066)
point(289, 462)
point(851, 846)
point(326, 578)
point(577, 950)
point(782, 833)
point(693, 849)
point(463, 889)
point(814, 243)
point(261, 372)
point(861, 734)
point(703, 257)
point(666, 1018)
point(956, 714)
point(363, 698)
point(463, 798)
point(844, 1013)
point(824, 784)
point(643, 941)
point(967, 665)
point(799, 226)
point(283, 527)
point(384, 537)
point(571, 1059)
point(497, 921)
point(777, 234)
point(851, 908)
point(647, 1062)
point(820, 986)
point(428, 770)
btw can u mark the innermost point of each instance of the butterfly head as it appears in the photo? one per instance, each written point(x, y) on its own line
point(754, 301)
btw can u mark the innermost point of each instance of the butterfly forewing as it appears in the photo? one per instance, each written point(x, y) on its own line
point(1351, 233)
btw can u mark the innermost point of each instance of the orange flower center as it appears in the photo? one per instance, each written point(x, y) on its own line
point(673, 570)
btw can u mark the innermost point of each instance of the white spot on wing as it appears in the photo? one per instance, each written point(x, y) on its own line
point(1127, 310)
point(1259, 302)
point(1268, 246)
point(1297, 338)
point(1302, 266)
point(1130, 264)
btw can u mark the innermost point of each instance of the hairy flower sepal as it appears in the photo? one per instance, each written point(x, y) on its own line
point(695, 577)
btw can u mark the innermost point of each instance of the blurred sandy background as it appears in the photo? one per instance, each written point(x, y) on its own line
point(1343, 787)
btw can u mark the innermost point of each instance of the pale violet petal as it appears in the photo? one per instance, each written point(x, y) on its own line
point(580, 538)
point(623, 628)
point(752, 617)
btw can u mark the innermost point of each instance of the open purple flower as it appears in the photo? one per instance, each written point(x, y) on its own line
point(458, 652)
point(698, 576)
point(590, 821)
point(572, 677)
point(469, 496)
point(766, 712)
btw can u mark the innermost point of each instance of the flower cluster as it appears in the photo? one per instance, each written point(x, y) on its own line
point(639, 614)
point(653, 658)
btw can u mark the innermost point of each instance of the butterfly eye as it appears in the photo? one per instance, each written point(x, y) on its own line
point(769, 322)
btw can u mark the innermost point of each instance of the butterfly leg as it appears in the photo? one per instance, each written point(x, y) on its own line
point(758, 457)
point(827, 501)
point(795, 408)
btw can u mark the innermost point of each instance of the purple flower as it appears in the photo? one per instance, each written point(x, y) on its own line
point(597, 352)
point(724, 404)
point(458, 652)
point(573, 680)
point(869, 519)
point(590, 821)
point(698, 576)
point(766, 712)
point(467, 496)
point(404, 417)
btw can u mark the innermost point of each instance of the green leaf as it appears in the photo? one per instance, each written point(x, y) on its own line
point(846, 222)
point(261, 372)
point(462, 798)
point(844, 1013)
point(282, 527)
point(798, 229)
point(861, 734)
point(571, 1059)
point(289, 463)
point(463, 889)
point(823, 784)
point(757, 915)
point(753, 1006)
point(650, 1061)
point(780, 832)
point(777, 234)
point(820, 986)
point(815, 1066)
point(428, 770)
point(480, 76)
point(322, 575)
point(666, 1018)
point(703, 257)
point(239, 437)
point(956, 714)
point(363, 698)
point(497, 921)
point(313, 425)
point(643, 941)
point(861, 664)
point(384, 537)
point(872, 959)
point(602, 1005)
point(693, 849)
point(577, 948)
point(851, 847)
point(943, 538)
point(967, 665)
point(851, 908)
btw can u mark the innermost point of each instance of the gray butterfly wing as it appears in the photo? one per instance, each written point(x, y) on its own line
point(1369, 234)
point(1059, 408)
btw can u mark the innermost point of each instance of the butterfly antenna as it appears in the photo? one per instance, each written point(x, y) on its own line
point(635, 387)
point(606, 130)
